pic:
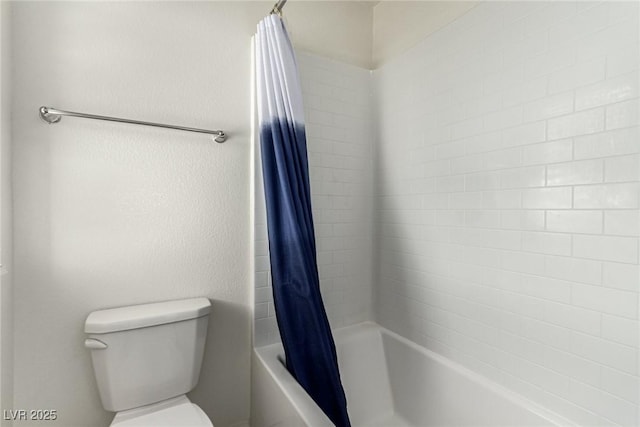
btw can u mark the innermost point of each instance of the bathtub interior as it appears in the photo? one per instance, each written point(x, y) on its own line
point(450, 395)
point(390, 381)
point(364, 374)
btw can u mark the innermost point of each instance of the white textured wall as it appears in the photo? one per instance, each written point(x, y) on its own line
point(337, 105)
point(507, 184)
point(340, 30)
point(108, 214)
point(6, 297)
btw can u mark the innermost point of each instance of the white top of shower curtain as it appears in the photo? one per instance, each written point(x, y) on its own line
point(279, 92)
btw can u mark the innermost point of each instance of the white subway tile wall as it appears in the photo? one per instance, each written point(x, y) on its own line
point(507, 196)
point(337, 100)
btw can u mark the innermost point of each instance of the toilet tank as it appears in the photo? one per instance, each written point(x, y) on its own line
point(147, 353)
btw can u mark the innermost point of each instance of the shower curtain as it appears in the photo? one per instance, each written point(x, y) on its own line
point(306, 336)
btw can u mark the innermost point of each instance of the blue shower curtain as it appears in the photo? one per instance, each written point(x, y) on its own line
point(306, 336)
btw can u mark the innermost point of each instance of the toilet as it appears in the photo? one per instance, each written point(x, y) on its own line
point(146, 358)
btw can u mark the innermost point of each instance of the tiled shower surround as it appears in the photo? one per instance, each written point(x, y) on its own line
point(337, 101)
point(502, 154)
point(507, 201)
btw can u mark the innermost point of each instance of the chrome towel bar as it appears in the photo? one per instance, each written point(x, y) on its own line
point(53, 115)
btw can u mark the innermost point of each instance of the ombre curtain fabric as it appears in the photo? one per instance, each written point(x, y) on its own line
point(306, 336)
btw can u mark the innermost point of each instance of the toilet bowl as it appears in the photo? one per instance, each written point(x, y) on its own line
point(146, 358)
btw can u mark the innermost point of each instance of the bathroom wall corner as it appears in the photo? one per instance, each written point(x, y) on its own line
point(6, 291)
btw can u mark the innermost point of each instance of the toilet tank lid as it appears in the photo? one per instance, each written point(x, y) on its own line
point(144, 315)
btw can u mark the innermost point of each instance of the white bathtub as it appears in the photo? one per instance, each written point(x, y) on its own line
point(390, 381)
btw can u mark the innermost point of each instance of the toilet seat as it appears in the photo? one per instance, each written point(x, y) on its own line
point(175, 412)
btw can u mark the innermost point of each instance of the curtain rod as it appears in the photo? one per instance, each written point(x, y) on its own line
point(53, 115)
point(277, 8)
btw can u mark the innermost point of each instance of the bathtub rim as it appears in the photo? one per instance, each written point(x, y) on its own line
point(272, 354)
